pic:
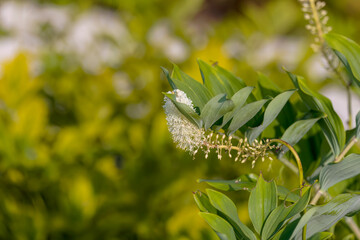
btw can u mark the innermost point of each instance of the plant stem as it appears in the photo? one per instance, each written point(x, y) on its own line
point(346, 149)
point(353, 226)
point(297, 158)
point(317, 21)
point(316, 198)
point(301, 172)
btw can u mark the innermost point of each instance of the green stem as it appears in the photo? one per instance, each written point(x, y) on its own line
point(301, 172)
point(297, 158)
point(346, 149)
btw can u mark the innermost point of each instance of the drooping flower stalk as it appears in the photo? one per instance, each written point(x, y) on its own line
point(190, 138)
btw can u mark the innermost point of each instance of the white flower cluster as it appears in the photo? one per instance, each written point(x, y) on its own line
point(317, 20)
point(185, 134)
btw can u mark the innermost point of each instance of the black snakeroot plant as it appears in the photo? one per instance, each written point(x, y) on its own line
point(223, 115)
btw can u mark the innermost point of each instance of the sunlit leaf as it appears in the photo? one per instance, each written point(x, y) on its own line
point(297, 130)
point(321, 218)
point(271, 112)
point(224, 204)
point(337, 172)
point(222, 228)
point(280, 214)
point(196, 91)
point(263, 199)
point(348, 48)
point(332, 125)
point(239, 100)
point(215, 109)
point(245, 114)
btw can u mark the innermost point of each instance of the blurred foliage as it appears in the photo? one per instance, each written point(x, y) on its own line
point(85, 152)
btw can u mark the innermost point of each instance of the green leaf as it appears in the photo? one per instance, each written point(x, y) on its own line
point(196, 91)
point(332, 125)
point(321, 218)
point(297, 130)
point(336, 172)
point(321, 236)
point(215, 109)
point(215, 82)
point(242, 183)
point(269, 89)
point(271, 112)
point(236, 83)
point(357, 120)
point(222, 228)
point(239, 100)
point(347, 47)
point(263, 199)
point(203, 202)
point(244, 114)
point(224, 204)
point(187, 111)
point(280, 214)
point(247, 183)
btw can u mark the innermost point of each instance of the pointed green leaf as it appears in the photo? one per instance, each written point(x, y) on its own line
point(236, 83)
point(297, 130)
point(280, 214)
point(224, 204)
point(196, 91)
point(215, 109)
point(245, 114)
point(187, 111)
point(357, 120)
point(243, 182)
point(203, 202)
point(321, 218)
point(246, 183)
point(222, 228)
point(271, 112)
point(214, 82)
point(263, 199)
point(347, 47)
point(322, 236)
point(336, 172)
point(171, 82)
point(239, 100)
point(332, 125)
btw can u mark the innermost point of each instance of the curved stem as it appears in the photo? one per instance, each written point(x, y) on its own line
point(346, 149)
point(297, 158)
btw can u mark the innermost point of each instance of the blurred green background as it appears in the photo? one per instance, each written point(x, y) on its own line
point(84, 147)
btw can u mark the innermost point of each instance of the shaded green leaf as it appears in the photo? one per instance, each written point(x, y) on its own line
point(242, 115)
point(297, 130)
point(215, 82)
point(187, 111)
point(224, 204)
point(357, 120)
point(336, 172)
point(203, 202)
point(263, 199)
point(222, 228)
point(271, 112)
point(321, 236)
point(235, 82)
point(196, 91)
point(239, 100)
point(321, 218)
point(247, 183)
point(280, 214)
point(332, 125)
point(347, 47)
point(215, 109)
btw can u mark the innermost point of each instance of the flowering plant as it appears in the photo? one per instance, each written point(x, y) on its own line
point(225, 115)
